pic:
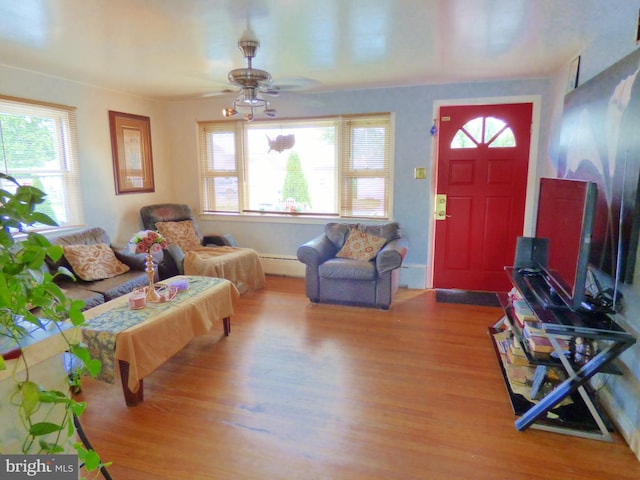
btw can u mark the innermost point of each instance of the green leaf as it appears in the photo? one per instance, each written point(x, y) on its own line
point(30, 398)
point(93, 366)
point(55, 252)
point(77, 407)
point(50, 448)
point(5, 293)
point(3, 365)
point(44, 428)
point(91, 460)
point(53, 396)
point(81, 352)
point(82, 452)
point(44, 219)
point(71, 428)
point(9, 178)
point(40, 240)
point(66, 272)
point(76, 314)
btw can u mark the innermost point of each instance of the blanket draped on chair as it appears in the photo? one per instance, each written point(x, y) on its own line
point(241, 266)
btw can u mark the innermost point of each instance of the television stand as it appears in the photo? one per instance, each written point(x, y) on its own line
point(543, 291)
point(566, 404)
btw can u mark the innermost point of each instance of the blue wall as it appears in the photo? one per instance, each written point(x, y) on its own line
point(414, 113)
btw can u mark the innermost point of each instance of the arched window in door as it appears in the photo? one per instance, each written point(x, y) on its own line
point(490, 131)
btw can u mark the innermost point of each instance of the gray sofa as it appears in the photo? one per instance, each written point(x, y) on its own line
point(373, 283)
point(99, 291)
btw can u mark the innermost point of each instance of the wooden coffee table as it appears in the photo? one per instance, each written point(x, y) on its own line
point(137, 342)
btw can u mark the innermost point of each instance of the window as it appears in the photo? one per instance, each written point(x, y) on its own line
point(331, 166)
point(489, 131)
point(37, 148)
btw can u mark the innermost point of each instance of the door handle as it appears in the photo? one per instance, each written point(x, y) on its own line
point(441, 206)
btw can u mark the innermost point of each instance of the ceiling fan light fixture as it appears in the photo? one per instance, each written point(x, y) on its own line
point(248, 48)
point(250, 96)
point(253, 82)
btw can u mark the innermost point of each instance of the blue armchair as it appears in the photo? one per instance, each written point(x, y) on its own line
point(331, 279)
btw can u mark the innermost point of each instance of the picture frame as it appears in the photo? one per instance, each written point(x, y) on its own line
point(574, 74)
point(131, 151)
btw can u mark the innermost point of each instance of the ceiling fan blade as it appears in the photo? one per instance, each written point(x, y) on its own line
point(218, 93)
point(295, 84)
point(272, 91)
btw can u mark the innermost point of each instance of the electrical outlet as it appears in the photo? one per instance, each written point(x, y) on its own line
point(420, 173)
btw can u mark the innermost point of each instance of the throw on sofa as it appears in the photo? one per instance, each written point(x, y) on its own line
point(102, 272)
point(192, 253)
point(176, 212)
point(354, 264)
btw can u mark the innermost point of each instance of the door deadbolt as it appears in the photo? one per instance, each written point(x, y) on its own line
point(441, 206)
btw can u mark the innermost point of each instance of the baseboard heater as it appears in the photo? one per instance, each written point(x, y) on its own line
point(282, 265)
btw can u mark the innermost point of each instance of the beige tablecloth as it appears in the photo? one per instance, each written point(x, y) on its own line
point(147, 338)
point(242, 266)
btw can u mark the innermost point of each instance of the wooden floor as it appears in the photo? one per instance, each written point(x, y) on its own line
point(301, 391)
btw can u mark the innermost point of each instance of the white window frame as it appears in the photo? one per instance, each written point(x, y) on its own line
point(239, 171)
point(64, 118)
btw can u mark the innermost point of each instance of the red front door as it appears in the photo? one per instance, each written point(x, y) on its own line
point(483, 158)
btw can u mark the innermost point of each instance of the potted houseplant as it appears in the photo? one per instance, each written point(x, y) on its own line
point(28, 296)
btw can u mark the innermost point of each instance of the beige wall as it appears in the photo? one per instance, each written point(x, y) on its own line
point(118, 214)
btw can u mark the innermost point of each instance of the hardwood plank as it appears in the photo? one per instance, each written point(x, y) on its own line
point(302, 391)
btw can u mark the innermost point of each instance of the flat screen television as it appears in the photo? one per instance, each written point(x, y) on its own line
point(566, 213)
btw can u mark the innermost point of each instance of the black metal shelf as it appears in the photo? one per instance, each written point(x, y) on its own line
point(571, 417)
point(581, 417)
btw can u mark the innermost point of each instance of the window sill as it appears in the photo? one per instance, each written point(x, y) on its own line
point(51, 232)
point(285, 219)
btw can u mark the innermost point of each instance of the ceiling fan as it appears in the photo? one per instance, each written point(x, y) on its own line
point(254, 85)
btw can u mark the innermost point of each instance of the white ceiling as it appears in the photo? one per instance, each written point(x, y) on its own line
point(176, 49)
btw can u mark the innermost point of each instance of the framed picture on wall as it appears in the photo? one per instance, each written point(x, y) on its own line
point(131, 150)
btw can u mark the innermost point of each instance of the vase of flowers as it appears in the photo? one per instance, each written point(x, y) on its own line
point(149, 242)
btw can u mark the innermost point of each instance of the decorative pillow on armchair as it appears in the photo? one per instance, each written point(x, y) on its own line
point(361, 246)
point(389, 231)
point(180, 233)
point(94, 262)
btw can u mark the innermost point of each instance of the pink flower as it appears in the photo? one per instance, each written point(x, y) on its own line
point(156, 247)
point(148, 241)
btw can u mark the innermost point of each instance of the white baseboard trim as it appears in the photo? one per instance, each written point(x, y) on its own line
point(411, 276)
point(626, 428)
point(285, 265)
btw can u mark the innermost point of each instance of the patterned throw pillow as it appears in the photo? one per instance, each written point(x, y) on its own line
point(361, 246)
point(179, 233)
point(94, 262)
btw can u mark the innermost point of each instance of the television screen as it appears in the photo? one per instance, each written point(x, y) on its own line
point(599, 142)
point(566, 212)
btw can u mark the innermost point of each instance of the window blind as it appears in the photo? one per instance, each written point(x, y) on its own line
point(366, 172)
point(38, 148)
point(337, 166)
point(220, 179)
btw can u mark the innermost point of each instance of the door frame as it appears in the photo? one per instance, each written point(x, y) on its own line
point(532, 174)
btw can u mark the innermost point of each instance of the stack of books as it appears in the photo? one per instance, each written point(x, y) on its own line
point(523, 313)
point(532, 331)
point(538, 339)
point(510, 348)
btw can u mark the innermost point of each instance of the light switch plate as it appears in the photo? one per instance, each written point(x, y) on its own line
point(420, 173)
